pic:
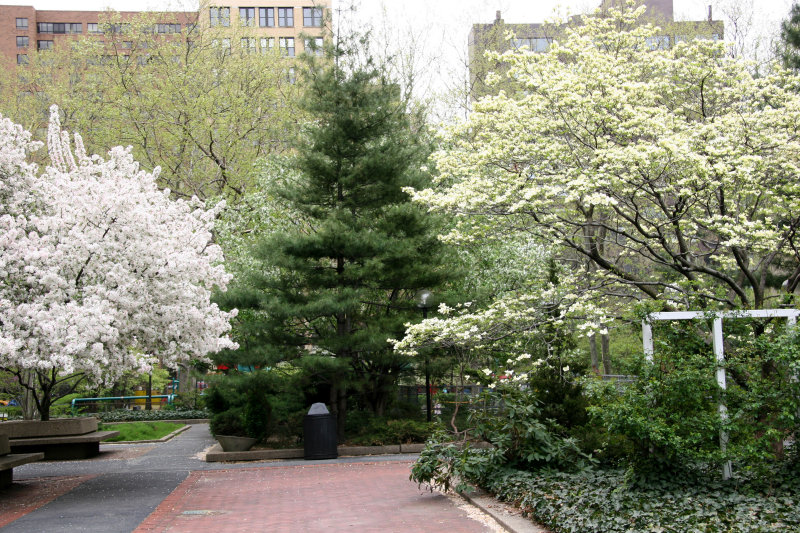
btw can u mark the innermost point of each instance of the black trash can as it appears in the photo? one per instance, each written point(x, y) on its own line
point(319, 433)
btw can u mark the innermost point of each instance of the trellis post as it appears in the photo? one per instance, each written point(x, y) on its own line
point(719, 351)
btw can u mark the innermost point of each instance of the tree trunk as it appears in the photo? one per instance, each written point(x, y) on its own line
point(341, 414)
point(604, 345)
point(149, 401)
point(184, 378)
point(44, 405)
point(28, 403)
point(45, 399)
point(593, 352)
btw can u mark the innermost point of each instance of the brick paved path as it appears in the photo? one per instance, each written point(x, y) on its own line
point(168, 487)
point(357, 497)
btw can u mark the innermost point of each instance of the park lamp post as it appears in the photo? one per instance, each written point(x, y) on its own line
point(425, 301)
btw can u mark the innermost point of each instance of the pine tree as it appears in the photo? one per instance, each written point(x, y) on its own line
point(338, 285)
point(790, 39)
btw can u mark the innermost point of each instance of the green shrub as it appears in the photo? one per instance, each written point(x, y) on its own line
point(407, 410)
point(229, 422)
point(518, 436)
point(124, 415)
point(242, 403)
point(378, 431)
point(670, 415)
point(188, 400)
point(525, 438)
point(13, 412)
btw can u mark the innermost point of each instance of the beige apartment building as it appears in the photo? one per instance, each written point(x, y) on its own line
point(536, 37)
point(293, 26)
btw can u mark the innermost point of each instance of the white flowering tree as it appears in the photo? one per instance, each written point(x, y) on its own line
point(100, 271)
point(659, 175)
point(671, 174)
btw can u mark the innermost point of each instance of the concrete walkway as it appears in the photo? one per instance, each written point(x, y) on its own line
point(168, 487)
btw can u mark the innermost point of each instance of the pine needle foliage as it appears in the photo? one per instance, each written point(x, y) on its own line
point(339, 283)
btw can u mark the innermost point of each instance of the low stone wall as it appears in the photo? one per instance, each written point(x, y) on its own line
point(215, 454)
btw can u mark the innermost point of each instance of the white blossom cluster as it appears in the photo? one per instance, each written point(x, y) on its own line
point(100, 271)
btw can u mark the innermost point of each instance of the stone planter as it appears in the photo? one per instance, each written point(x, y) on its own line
point(21, 429)
point(59, 439)
point(230, 443)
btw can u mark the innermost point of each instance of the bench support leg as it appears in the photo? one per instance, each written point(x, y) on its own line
point(6, 476)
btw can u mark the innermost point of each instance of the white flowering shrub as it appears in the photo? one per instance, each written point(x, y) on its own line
point(100, 271)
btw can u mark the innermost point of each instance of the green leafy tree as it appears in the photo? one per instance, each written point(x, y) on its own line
point(328, 292)
point(197, 104)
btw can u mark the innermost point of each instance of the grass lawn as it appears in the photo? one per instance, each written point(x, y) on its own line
point(141, 430)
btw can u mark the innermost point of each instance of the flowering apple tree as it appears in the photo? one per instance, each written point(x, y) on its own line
point(100, 271)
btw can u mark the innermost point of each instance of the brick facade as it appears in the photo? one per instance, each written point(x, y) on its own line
point(17, 40)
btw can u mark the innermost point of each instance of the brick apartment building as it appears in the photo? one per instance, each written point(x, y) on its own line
point(288, 25)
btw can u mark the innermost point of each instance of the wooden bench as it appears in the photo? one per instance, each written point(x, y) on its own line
point(10, 460)
point(60, 439)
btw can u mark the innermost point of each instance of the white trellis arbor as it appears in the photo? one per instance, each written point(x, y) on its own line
point(719, 352)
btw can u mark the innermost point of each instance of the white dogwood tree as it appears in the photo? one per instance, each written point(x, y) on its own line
point(100, 271)
point(664, 175)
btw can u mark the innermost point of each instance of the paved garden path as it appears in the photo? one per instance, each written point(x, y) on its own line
point(168, 487)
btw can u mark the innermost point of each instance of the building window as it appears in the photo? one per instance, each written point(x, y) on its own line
point(44, 45)
point(266, 17)
point(22, 24)
point(22, 59)
point(313, 46)
point(267, 44)
point(657, 42)
point(291, 77)
point(312, 17)
point(540, 44)
point(247, 16)
point(22, 41)
point(168, 28)
point(534, 44)
point(115, 28)
point(220, 16)
point(127, 44)
point(286, 45)
point(93, 27)
point(249, 44)
point(59, 27)
point(223, 44)
point(286, 17)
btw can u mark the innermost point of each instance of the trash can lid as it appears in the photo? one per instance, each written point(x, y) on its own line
point(318, 409)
